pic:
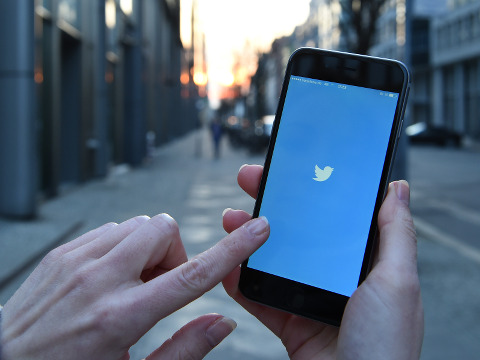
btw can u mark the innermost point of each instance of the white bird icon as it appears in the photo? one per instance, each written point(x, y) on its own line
point(322, 175)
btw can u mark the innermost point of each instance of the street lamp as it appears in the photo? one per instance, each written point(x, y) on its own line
point(126, 6)
point(110, 14)
point(200, 78)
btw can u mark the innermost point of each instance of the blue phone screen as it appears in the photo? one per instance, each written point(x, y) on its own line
point(323, 182)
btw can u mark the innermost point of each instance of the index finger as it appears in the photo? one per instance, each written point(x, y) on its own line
point(180, 286)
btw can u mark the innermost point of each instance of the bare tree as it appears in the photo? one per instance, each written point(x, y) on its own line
point(358, 23)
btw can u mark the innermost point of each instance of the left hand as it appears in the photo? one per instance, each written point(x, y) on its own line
point(384, 317)
point(95, 297)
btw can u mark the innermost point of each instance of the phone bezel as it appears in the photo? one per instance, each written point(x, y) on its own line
point(343, 68)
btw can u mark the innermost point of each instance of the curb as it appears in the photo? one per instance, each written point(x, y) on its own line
point(37, 255)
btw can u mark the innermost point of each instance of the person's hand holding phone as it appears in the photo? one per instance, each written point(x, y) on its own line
point(383, 318)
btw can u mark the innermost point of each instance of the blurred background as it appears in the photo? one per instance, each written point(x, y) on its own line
point(114, 108)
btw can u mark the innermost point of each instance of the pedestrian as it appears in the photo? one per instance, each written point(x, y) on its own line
point(96, 296)
point(217, 132)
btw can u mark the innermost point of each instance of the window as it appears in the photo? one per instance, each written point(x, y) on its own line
point(472, 99)
point(449, 97)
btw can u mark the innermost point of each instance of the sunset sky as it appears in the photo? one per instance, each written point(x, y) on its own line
point(228, 25)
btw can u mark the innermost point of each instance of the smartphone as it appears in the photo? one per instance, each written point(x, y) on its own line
point(326, 173)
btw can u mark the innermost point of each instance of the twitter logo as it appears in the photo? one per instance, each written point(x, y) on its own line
point(322, 175)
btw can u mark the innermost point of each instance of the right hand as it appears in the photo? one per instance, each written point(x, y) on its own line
point(96, 296)
point(383, 318)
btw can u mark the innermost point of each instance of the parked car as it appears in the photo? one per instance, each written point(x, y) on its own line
point(422, 133)
point(258, 134)
point(236, 129)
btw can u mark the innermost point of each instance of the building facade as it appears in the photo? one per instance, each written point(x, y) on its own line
point(443, 54)
point(103, 75)
point(390, 37)
point(455, 61)
point(321, 29)
point(406, 37)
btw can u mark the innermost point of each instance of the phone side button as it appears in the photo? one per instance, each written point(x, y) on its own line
point(405, 101)
point(399, 133)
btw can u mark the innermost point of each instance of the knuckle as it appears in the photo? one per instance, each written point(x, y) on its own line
point(410, 230)
point(59, 260)
point(194, 275)
point(52, 257)
point(194, 349)
point(403, 214)
point(187, 353)
point(82, 278)
point(235, 247)
point(405, 283)
point(68, 261)
point(105, 321)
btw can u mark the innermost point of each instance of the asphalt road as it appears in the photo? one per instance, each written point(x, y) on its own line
point(445, 203)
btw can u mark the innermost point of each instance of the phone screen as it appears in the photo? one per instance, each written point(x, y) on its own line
point(323, 182)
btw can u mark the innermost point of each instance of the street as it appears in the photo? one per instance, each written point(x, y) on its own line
point(184, 180)
point(445, 203)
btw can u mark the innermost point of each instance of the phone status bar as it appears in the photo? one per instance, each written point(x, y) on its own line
point(321, 82)
point(338, 85)
point(389, 94)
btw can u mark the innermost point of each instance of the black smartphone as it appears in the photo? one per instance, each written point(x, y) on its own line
point(326, 173)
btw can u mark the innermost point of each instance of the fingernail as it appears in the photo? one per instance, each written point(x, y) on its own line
point(167, 217)
point(257, 226)
point(141, 219)
point(241, 167)
point(219, 330)
point(225, 211)
point(402, 190)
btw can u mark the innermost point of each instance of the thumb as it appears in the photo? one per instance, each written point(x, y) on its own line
point(196, 339)
point(398, 242)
